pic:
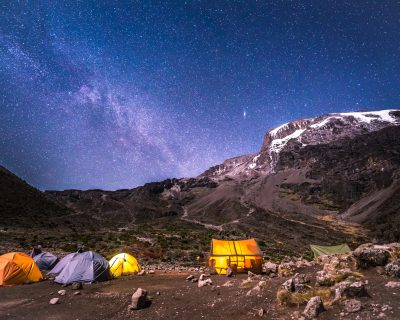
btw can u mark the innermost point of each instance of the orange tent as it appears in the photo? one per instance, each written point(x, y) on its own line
point(18, 268)
point(240, 255)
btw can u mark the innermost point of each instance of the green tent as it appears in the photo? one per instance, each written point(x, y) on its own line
point(329, 250)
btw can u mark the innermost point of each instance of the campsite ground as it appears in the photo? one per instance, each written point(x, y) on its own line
point(179, 299)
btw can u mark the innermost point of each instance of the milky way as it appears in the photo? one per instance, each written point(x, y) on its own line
point(113, 94)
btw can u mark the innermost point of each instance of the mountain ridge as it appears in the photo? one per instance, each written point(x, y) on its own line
point(302, 187)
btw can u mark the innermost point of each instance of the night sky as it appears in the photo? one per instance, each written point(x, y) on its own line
point(113, 94)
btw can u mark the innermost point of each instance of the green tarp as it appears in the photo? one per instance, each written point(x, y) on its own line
point(329, 250)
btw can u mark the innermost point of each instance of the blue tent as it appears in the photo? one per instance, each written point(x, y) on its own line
point(86, 267)
point(45, 261)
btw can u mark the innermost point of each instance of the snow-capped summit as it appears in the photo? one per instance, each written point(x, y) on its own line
point(302, 133)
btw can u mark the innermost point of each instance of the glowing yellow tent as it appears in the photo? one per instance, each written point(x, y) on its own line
point(240, 255)
point(18, 268)
point(123, 263)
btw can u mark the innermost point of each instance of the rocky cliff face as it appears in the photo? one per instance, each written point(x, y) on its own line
point(299, 134)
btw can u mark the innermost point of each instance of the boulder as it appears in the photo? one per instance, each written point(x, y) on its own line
point(139, 300)
point(288, 285)
point(270, 267)
point(371, 256)
point(300, 278)
point(324, 279)
point(393, 269)
point(350, 289)
point(313, 308)
point(352, 305)
point(203, 283)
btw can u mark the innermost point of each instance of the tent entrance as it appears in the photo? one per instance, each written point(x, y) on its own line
point(240, 255)
point(237, 262)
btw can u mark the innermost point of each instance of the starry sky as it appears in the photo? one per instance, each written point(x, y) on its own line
point(114, 94)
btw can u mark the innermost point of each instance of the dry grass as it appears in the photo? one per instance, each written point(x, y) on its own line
point(340, 277)
point(395, 253)
point(246, 284)
point(287, 298)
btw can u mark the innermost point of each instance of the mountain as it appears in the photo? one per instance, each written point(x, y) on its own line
point(23, 205)
point(325, 180)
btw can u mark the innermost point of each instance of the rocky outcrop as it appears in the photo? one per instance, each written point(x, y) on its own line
point(371, 256)
point(393, 269)
point(314, 307)
point(349, 289)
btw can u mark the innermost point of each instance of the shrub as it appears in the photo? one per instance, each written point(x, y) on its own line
point(287, 298)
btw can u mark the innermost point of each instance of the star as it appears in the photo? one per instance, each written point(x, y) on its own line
point(126, 93)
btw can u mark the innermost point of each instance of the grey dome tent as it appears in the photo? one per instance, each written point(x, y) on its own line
point(86, 267)
point(45, 261)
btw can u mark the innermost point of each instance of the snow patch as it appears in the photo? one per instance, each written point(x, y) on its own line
point(256, 158)
point(323, 122)
point(278, 144)
point(276, 130)
point(382, 115)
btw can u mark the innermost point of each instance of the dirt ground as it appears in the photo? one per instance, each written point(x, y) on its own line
point(174, 298)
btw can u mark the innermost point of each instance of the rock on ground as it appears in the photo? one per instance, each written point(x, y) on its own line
point(393, 269)
point(62, 292)
point(350, 289)
point(392, 284)
point(139, 300)
point(190, 277)
point(352, 305)
point(270, 267)
point(203, 283)
point(54, 301)
point(371, 256)
point(314, 307)
point(76, 286)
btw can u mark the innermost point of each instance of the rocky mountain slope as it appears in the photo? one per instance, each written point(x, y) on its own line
point(323, 180)
point(23, 205)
